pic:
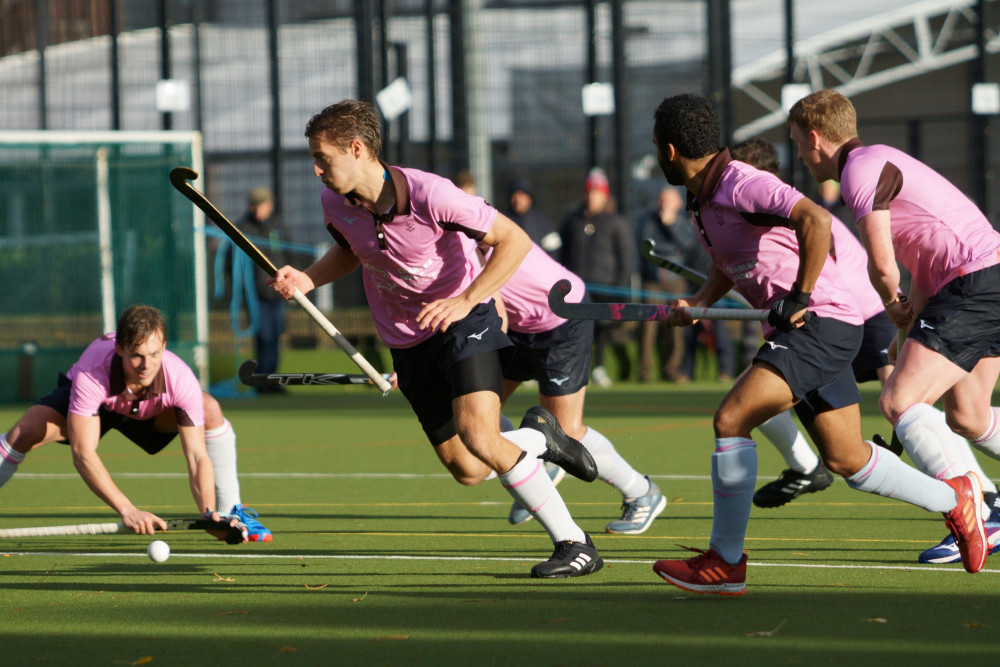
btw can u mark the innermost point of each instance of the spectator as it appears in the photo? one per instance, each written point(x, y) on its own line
point(534, 222)
point(266, 231)
point(466, 182)
point(675, 242)
point(598, 247)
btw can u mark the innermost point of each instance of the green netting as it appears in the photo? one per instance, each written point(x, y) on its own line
point(52, 196)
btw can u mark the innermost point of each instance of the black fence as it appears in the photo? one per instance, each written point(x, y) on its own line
point(496, 85)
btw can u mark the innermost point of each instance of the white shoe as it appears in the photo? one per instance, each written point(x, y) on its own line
point(600, 376)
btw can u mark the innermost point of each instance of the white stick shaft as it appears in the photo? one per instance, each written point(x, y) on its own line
point(78, 529)
point(344, 344)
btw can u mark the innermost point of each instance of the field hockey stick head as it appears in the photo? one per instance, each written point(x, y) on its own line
point(246, 373)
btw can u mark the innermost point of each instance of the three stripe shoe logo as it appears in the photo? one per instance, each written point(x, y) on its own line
point(581, 561)
point(478, 336)
point(713, 574)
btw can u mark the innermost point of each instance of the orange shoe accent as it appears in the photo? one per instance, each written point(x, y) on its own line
point(965, 521)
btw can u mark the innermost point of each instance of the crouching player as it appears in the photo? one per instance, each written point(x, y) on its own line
point(130, 382)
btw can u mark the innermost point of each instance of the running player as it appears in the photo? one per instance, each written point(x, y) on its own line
point(805, 473)
point(908, 212)
point(130, 382)
point(556, 353)
point(415, 237)
point(772, 243)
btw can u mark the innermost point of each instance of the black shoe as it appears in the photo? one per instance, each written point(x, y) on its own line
point(790, 485)
point(560, 449)
point(570, 559)
point(896, 447)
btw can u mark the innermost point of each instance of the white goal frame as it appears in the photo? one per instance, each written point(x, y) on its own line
point(108, 315)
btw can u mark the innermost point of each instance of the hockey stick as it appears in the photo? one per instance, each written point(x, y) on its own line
point(251, 379)
point(179, 177)
point(221, 529)
point(649, 253)
point(636, 311)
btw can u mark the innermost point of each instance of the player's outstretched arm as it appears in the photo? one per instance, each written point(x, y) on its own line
point(84, 435)
point(201, 476)
point(335, 264)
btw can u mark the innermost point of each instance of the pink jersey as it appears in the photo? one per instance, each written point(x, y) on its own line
point(526, 294)
point(99, 381)
point(423, 250)
point(741, 214)
point(937, 232)
point(852, 259)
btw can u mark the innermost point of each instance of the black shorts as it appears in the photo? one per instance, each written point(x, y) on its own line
point(815, 361)
point(559, 358)
point(879, 334)
point(467, 358)
point(139, 431)
point(962, 321)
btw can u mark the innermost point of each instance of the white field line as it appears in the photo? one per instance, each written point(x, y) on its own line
point(494, 559)
point(294, 475)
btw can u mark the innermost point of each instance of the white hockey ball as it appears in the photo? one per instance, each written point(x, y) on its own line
point(158, 551)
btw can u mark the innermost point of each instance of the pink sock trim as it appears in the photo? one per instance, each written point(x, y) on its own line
point(538, 466)
point(729, 444)
point(534, 510)
point(9, 452)
point(223, 430)
point(868, 468)
point(991, 431)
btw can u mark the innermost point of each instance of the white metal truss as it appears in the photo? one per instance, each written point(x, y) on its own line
point(866, 55)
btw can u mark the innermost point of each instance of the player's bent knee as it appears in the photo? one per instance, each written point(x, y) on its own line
point(213, 411)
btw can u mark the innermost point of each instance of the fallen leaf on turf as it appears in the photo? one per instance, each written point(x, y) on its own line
point(360, 598)
point(143, 661)
point(877, 619)
point(315, 588)
point(766, 633)
point(287, 649)
point(973, 625)
point(231, 611)
point(392, 637)
point(219, 577)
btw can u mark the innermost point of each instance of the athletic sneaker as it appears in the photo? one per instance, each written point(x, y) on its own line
point(966, 520)
point(570, 559)
point(561, 449)
point(705, 573)
point(946, 551)
point(255, 529)
point(638, 513)
point(518, 514)
point(791, 484)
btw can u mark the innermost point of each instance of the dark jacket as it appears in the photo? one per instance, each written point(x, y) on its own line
point(598, 248)
point(268, 236)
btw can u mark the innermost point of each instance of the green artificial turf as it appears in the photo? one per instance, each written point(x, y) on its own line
point(379, 558)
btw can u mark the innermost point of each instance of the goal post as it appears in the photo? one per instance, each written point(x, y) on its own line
point(89, 225)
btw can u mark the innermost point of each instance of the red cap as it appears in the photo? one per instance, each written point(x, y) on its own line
point(597, 180)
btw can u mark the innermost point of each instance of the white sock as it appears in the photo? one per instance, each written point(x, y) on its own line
point(534, 491)
point(734, 474)
point(886, 475)
point(611, 467)
point(790, 443)
point(989, 442)
point(934, 448)
point(9, 460)
point(221, 445)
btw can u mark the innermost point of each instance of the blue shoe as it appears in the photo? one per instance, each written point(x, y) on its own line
point(518, 514)
point(638, 513)
point(256, 531)
point(946, 551)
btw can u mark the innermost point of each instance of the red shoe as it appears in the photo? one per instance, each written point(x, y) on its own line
point(706, 573)
point(966, 521)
